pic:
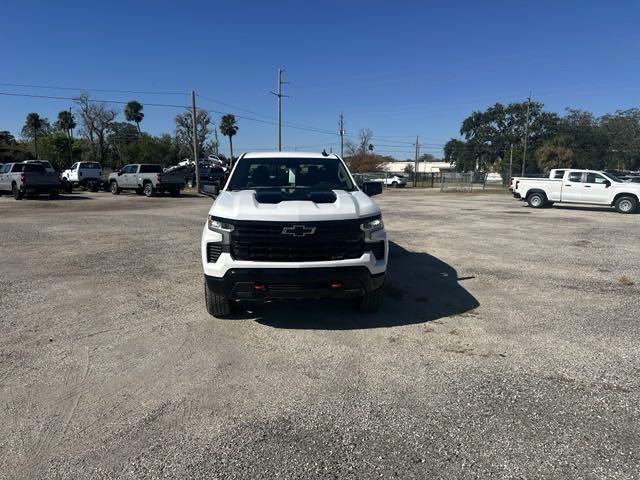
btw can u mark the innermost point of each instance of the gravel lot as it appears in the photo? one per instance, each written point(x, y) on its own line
point(508, 348)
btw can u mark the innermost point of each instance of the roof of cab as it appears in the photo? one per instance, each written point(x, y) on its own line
point(288, 155)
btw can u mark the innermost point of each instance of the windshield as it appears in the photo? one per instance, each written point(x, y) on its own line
point(613, 177)
point(290, 174)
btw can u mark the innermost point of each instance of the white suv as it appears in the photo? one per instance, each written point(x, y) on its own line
point(293, 225)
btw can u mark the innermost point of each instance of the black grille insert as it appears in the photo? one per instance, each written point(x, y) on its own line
point(214, 250)
point(377, 249)
point(297, 242)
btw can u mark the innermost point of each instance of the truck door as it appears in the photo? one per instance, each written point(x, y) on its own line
point(3, 181)
point(73, 173)
point(596, 189)
point(573, 187)
point(129, 176)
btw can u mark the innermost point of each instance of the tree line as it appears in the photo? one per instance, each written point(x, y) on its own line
point(577, 139)
point(102, 138)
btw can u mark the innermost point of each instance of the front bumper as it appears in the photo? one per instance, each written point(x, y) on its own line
point(259, 284)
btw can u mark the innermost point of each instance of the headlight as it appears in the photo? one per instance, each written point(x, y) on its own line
point(220, 226)
point(372, 225)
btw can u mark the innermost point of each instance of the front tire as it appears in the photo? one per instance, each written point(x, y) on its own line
point(217, 305)
point(626, 204)
point(114, 187)
point(372, 301)
point(537, 200)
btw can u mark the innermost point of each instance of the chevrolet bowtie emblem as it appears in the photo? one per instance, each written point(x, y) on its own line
point(298, 230)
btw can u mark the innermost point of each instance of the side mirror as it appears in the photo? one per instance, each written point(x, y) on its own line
point(607, 183)
point(372, 188)
point(119, 172)
point(209, 189)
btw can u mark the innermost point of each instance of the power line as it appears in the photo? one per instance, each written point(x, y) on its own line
point(105, 90)
point(120, 102)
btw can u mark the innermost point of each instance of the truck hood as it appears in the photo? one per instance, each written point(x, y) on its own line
point(243, 205)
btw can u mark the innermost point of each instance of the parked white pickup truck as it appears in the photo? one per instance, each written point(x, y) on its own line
point(580, 186)
point(82, 174)
point(293, 225)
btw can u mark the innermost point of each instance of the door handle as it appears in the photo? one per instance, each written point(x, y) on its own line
point(567, 185)
point(587, 186)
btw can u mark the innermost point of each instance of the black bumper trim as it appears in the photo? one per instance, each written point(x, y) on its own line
point(297, 283)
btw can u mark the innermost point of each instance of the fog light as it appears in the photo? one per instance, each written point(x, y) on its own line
point(335, 285)
point(260, 287)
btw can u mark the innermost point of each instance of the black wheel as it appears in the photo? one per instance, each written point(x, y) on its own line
point(394, 184)
point(190, 183)
point(148, 189)
point(626, 204)
point(372, 301)
point(54, 194)
point(217, 305)
point(93, 186)
point(537, 200)
point(114, 187)
point(17, 193)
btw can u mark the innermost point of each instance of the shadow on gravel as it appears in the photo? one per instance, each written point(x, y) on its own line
point(61, 198)
point(420, 288)
point(585, 208)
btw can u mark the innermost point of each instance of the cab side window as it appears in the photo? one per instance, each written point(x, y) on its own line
point(575, 177)
point(595, 178)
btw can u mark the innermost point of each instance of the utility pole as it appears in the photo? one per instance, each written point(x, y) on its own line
point(511, 164)
point(415, 165)
point(280, 95)
point(526, 135)
point(341, 133)
point(70, 138)
point(195, 138)
point(215, 133)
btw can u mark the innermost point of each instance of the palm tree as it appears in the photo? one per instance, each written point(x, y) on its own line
point(229, 128)
point(133, 112)
point(32, 126)
point(66, 123)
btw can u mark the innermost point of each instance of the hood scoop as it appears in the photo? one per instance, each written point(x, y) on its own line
point(266, 196)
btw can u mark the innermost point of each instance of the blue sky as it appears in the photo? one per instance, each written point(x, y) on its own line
point(398, 68)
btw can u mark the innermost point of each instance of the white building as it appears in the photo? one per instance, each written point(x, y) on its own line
point(423, 167)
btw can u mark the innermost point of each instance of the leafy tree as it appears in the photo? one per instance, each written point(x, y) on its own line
point(408, 169)
point(183, 134)
point(119, 135)
point(133, 113)
point(489, 134)
point(460, 154)
point(229, 128)
point(34, 127)
point(555, 153)
point(622, 129)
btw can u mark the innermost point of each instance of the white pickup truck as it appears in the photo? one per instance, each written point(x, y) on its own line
point(293, 225)
point(591, 187)
point(82, 174)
